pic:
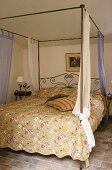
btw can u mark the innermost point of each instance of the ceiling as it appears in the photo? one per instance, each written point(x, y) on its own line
point(64, 24)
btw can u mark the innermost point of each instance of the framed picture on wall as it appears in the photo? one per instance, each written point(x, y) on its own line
point(72, 62)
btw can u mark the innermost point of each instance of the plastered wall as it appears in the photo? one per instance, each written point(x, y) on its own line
point(52, 61)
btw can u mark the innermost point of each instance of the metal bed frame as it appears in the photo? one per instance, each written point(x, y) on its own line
point(66, 76)
point(82, 8)
point(67, 80)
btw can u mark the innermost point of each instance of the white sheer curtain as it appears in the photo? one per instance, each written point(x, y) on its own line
point(33, 62)
point(86, 85)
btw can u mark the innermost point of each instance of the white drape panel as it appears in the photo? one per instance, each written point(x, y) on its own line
point(86, 85)
point(33, 62)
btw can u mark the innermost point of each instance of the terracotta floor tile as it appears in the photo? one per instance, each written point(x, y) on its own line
point(106, 165)
point(5, 167)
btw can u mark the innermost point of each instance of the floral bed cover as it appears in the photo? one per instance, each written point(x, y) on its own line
point(33, 126)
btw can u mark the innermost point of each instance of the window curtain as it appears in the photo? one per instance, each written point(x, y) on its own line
point(86, 85)
point(101, 63)
point(6, 46)
point(33, 63)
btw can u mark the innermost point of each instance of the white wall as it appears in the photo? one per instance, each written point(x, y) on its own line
point(52, 61)
point(16, 70)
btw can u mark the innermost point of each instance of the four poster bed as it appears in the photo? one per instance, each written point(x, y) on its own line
point(44, 122)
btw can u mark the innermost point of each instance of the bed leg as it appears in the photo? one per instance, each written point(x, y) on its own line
point(105, 120)
point(80, 165)
point(86, 164)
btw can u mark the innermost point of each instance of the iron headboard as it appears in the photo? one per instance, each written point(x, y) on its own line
point(66, 80)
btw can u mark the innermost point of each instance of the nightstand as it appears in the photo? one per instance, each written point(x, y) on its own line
point(21, 94)
point(109, 98)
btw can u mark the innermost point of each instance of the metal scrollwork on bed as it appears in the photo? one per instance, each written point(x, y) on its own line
point(66, 80)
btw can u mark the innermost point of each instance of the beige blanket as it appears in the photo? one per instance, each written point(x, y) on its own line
point(33, 126)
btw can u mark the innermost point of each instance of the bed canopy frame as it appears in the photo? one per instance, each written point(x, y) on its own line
point(82, 9)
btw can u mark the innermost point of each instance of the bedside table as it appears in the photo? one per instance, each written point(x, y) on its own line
point(21, 94)
point(109, 98)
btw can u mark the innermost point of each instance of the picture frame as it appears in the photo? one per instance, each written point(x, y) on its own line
point(72, 62)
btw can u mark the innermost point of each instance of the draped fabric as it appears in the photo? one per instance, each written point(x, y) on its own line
point(6, 46)
point(86, 85)
point(33, 62)
point(101, 63)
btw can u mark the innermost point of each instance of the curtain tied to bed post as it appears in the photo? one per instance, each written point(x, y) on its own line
point(86, 85)
point(101, 63)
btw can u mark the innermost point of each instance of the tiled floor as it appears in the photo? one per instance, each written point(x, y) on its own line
point(100, 159)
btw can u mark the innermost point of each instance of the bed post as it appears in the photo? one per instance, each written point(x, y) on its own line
point(81, 61)
point(39, 64)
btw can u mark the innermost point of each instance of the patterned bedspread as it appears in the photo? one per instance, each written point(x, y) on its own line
point(32, 126)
